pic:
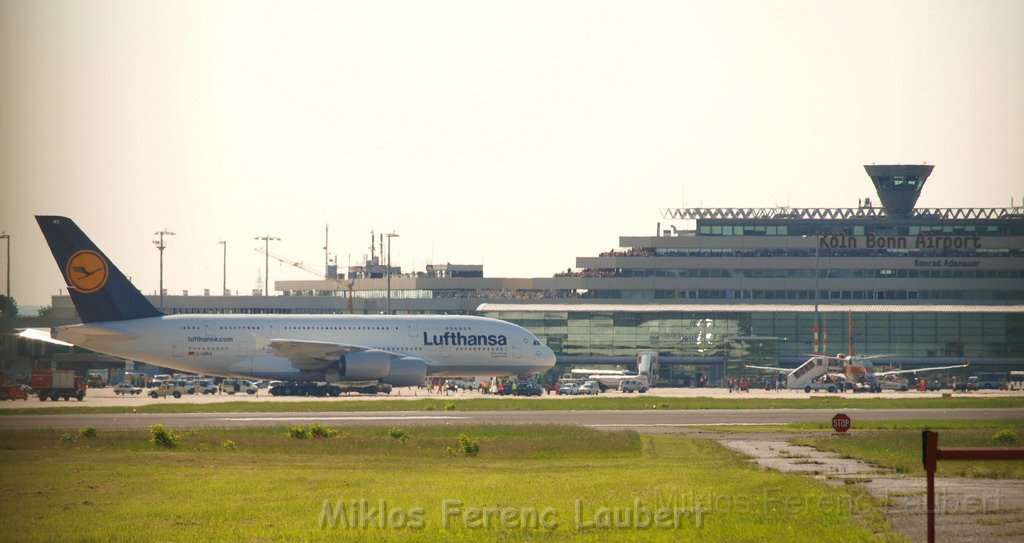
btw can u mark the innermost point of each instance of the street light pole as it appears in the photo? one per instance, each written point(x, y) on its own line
point(391, 235)
point(266, 261)
point(224, 287)
point(7, 236)
point(160, 247)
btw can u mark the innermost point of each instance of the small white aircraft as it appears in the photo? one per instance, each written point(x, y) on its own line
point(852, 370)
point(647, 372)
point(398, 350)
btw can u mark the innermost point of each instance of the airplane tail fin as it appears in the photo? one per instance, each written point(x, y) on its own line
point(98, 289)
point(647, 366)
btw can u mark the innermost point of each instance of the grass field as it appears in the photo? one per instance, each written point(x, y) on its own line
point(897, 445)
point(632, 403)
point(859, 426)
point(526, 483)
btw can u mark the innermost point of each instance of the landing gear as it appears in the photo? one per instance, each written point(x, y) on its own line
point(306, 389)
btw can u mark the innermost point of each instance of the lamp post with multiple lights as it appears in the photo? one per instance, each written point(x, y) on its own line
point(6, 236)
point(266, 261)
point(160, 247)
point(224, 287)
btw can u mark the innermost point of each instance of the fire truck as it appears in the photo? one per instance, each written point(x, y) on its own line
point(57, 384)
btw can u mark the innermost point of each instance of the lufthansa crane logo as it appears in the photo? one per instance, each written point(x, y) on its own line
point(87, 271)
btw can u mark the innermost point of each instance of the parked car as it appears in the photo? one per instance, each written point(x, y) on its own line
point(206, 387)
point(527, 389)
point(568, 389)
point(590, 388)
point(633, 385)
point(169, 388)
point(126, 388)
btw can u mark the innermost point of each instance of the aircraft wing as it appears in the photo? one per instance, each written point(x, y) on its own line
point(769, 368)
point(311, 354)
point(602, 373)
point(916, 370)
point(39, 334)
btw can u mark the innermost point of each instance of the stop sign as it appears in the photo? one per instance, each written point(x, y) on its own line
point(841, 422)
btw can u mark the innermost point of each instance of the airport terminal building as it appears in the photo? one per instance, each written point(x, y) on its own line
point(713, 288)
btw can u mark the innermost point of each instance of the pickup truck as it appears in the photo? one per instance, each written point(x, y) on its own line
point(169, 388)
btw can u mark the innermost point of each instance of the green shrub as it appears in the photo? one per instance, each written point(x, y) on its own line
point(469, 447)
point(1005, 437)
point(228, 445)
point(450, 406)
point(87, 431)
point(398, 434)
point(317, 430)
point(67, 438)
point(161, 436)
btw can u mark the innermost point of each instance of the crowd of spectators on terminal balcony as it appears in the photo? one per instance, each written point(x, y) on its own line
point(632, 251)
point(587, 272)
point(505, 294)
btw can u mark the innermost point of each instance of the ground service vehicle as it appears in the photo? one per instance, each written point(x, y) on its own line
point(232, 386)
point(13, 392)
point(590, 388)
point(57, 384)
point(189, 386)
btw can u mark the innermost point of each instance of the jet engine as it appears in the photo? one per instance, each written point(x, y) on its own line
point(406, 371)
point(365, 365)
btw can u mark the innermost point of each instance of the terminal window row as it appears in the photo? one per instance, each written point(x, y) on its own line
point(825, 273)
point(861, 230)
point(838, 252)
point(755, 294)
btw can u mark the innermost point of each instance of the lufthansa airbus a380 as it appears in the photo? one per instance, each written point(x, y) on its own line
point(399, 350)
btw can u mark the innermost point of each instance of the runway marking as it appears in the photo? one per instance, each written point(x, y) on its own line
point(670, 424)
point(386, 417)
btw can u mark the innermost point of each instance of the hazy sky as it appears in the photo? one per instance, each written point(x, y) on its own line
point(516, 134)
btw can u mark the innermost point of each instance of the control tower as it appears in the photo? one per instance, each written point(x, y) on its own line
point(899, 186)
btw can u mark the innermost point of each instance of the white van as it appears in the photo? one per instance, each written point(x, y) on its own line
point(633, 385)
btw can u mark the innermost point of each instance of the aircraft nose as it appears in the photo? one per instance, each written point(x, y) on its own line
point(548, 358)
